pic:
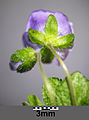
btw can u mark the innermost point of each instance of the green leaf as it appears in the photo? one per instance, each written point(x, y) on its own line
point(25, 104)
point(61, 91)
point(34, 101)
point(63, 42)
point(62, 95)
point(51, 27)
point(28, 58)
point(81, 88)
point(36, 36)
point(46, 55)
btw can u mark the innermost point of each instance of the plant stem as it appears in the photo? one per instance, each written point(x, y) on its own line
point(73, 100)
point(47, 84)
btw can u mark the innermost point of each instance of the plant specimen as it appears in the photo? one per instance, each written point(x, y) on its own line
point(48, 36)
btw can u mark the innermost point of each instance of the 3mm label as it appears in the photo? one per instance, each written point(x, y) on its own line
point(45, 111)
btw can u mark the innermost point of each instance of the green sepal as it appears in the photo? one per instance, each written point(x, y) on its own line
point(62, 95)
point(25, 104)
point(46, 55)
point(36, 36)
point(63, 42)
point(34, 101)
point(28, 58)
point(51, 27)
point(51, 35)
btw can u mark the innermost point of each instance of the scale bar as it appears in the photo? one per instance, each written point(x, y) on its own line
point(45, 108)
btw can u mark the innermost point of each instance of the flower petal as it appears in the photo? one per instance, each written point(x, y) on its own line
point(63, 54)
point(64, 26)
point(14, 66)
point(37, 20)
point(71, 24)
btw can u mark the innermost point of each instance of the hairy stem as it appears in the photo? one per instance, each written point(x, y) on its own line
point(47, 84)
point(73, 100)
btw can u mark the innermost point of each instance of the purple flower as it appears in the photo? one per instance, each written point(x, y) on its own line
point(37, 21)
